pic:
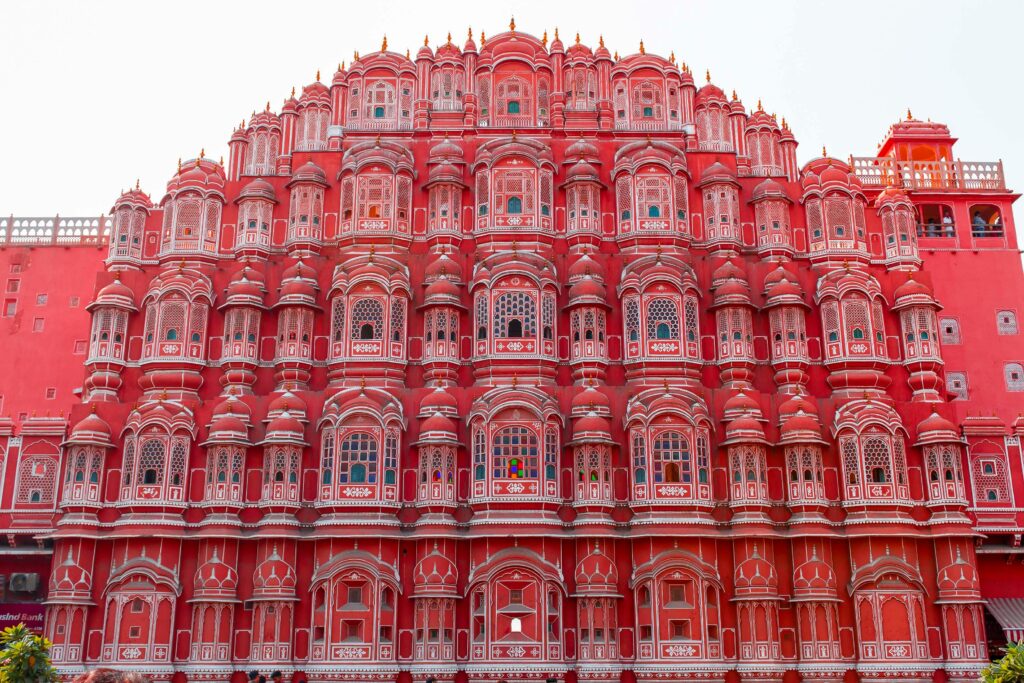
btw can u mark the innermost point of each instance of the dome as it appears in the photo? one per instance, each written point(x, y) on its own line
point(309, 173)
point(438, 429)
point(739, 405)
point(443, 266)
point(439, 401)
point(744, 430)
point(435, 576)
point(755, 577)
point(814, 579)
point(91, 430)
point(198, 174)
point(596, 574)
point(116, 294)
point(257, 189)
point(590, 400)
point(796, 404)
point(800, 428)
point(936, 429)
point(442, 291)
point(588, 290)
point(215, 578)
point(959, 580)
point(581, 149)
point(710, 93)
point(910, 292)
point(70, 579)
point(717, 173)
point(285, 428)
point(245, 288)
point(591, 428)
point(834, 174)
point(585, 266)
point(446, 149)
point(732, 292)
point(228, 428)
point(231, 406)
point(273, 578)
point(768, 189)
point(727, 271)
point(287, 401)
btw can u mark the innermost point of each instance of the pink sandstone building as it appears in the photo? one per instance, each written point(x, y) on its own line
point(517, 360)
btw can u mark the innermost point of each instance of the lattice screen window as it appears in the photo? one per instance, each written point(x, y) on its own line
point(37, 476)
point(662, 319)
point(367, 319)
point(956, 383)
point(515, 315)
point(1014, 374)
point(516, 453)
point(990, 483)
point(1006, 322)
point(949, 329)
point(671, 458)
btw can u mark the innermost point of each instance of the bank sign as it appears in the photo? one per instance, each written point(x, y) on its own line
point(28, 613)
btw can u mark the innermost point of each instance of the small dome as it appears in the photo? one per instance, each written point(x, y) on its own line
point(768, 189)
point(444, 266)
point(91, 430)
point(228, 429)
point(744, 430)
point(439, 401)
point(959, 580)
point(437, 424)
point(590, 400)
point(710, 93)
point(800, 428)
point(435, 576)
point(739, 405)
point(309, 173)
point(442, 291)
point(287, 402)
point(796, 404)
point(911, 288)
point(258, 189)
point(446, 149)
point(834, 175)
point(284, 428)
point(231, 406)
point(69, 579)
point(116, 293)
point(814, 579)
point(936, 429)
point(580, 171)
point(596, 573)
point(582, 149)
point(717, 173)
point(585, 266)
point(273, 577)
point(729, 270)
point(591, 428)
point(755, 576)
point(215, 578)
point(588, 290)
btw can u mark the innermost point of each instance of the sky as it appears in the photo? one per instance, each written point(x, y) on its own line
point(99, 94)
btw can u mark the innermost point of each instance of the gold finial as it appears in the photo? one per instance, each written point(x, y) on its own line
point(512, 24)
point(600, 40)
point(824, 152)
point(293, 87)
point(616, 56)
point(407, 53)
point(707, 75)
point(318, 74)
point(136, 183)
point(372, 251)
point(515, 381)
point(268, 106)
point(202, 153)
point(469, 33)
point(197, 163)
point(577, 37)
point(342, 65)
point(449, 37)
point(759, 107)
point(384, 44)
point(355, 56)
point(734, 97)
point(672, 56)
point(221, 162)
point(556, 33)
point(179, 164)
point(642, 50)
point(544, 38)
point(909, 115)
point(426, 40)
point(483, 38)
point(785, 126)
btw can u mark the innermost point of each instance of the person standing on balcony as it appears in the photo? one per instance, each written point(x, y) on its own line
point(979, 224)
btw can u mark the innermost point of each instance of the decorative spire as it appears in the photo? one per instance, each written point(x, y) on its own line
point(449, 37)
point(426, 40)
point(824, 152)
point(407, 53)
point(707, 75)
point(293, 87)
point(544, 38)
point(600, 40)
point(136, 183)
point(469, 33)
point(384, 44)
point(483, 38)
point(616, 56)
point(355, 56)
point(734, 97)
point(318, 74)
point(267, 108)
point(512, 24)
point(759, 107)
point(672, 56)
point(909, 115)
point(577, 37)
point(556, 33)
point(642, 50)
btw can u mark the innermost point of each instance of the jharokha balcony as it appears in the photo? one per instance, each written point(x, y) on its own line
point(929, 175)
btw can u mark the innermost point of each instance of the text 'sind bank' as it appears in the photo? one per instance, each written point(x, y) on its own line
point(515, 361)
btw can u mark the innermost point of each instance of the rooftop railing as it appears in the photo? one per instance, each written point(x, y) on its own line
point(55, 230)
point(929, 175)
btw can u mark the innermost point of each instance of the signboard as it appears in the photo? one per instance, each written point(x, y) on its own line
point(28, 613)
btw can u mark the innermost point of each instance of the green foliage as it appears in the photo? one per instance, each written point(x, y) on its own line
point(25, 657)
point(1009, 669)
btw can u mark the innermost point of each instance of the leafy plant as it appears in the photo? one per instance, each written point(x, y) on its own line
point(25, 657)
point(1009, 669)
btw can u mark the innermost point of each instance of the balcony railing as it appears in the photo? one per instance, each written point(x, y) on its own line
point(58, 230)
point(929, 175)
point(936, 230)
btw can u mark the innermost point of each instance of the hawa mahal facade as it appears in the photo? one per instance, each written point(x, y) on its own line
point(519, 361)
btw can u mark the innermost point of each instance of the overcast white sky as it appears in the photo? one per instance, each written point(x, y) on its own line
point(96, 94)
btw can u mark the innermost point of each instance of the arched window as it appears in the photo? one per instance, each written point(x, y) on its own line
point(671, 455)
point(357, 459)
point(367, 319)
point(515, 205)
point(516, 452)
point(662, 319)
point(515, 312)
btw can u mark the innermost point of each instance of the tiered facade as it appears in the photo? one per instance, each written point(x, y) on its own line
point(520, 361)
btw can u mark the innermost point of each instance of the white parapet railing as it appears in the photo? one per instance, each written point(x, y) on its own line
point(929, 175)
point(57, 230)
